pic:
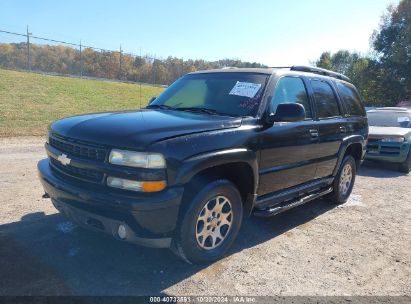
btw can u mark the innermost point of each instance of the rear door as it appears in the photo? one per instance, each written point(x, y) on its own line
point(356, 117)
point(331, 125)
point(288, 150)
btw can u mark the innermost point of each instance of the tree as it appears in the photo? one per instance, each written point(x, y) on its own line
point(384, 78)
point(392, 44)
point(354, 66)
point(325, 61)
point(341, 62)
point(62, 59)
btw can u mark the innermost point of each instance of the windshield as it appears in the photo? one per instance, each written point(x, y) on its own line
point(234, 94)
point(389, 119)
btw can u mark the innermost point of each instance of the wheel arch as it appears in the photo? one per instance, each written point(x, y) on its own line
point(355, 150)
point(239, 166)
point(354, 145)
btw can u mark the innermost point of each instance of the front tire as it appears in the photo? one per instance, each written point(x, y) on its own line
point(210, 224)
point(406, 165)
point(344, 181)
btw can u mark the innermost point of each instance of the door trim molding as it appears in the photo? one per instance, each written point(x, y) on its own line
point(296, 165)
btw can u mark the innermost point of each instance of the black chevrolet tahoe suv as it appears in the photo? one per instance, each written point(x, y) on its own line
point(214, 147)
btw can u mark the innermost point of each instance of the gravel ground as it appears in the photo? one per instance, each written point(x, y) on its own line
point(360, 248)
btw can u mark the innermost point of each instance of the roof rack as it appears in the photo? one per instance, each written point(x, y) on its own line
point(320, 71)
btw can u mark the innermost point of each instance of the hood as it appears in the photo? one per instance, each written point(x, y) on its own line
point(137, 129)
point(379, 132)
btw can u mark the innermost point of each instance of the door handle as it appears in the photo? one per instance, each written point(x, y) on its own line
point(314, 133)
point(343, 129)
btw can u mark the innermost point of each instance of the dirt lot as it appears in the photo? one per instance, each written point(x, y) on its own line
point(360, 248)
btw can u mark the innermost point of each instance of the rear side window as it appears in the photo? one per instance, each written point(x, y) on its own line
point(325, 100)
point(291, 90)
point(351, 99)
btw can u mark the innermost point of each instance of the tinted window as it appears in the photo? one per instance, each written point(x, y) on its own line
point(291, 90)
point(237, 94)
point(351, 99)
point(327, 105)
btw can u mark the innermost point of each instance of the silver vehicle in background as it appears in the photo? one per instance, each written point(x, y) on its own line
point(390, 136)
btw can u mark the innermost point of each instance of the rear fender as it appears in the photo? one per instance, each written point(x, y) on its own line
point(347, 141)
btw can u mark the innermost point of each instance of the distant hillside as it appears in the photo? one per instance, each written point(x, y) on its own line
point(66, 60)
point(29, 102)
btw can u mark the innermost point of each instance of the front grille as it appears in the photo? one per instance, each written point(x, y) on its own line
point(85, 174)
point(74, 148)
point(376, 146)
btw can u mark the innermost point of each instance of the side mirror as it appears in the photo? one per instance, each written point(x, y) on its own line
point(287, 112)
point(152, 99)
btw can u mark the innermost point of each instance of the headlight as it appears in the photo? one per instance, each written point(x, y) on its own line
point(127, 184)
point(137, 159)
point(393, 139)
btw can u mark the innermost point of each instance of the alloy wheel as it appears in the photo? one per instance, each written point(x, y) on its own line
point(214, 222)
point(345, 179)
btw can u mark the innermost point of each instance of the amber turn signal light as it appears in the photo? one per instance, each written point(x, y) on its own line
point(154, 186)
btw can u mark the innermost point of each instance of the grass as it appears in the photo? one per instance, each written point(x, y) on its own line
point(29, 102)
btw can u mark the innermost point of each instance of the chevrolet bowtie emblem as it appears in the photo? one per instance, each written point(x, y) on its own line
point(63, 159)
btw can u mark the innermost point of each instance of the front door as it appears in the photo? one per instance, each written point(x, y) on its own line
point(288, 149)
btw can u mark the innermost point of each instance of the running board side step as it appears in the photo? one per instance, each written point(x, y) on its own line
point(276, 210)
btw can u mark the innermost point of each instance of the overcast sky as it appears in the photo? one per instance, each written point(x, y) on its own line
point(282, 32)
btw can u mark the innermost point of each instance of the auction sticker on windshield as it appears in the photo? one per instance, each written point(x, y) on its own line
point(246, 89)
point(403, 119)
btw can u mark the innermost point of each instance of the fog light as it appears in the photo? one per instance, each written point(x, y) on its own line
point(122, 232)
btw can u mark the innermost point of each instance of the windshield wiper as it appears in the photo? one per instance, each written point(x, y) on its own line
point(189, 109)
point(163, 107)
point(196, 109)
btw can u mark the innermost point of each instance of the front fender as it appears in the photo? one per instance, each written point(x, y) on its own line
point(193, 165)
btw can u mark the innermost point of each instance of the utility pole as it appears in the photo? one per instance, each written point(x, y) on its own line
point(140, 78)
point(154, 69)
point(120, 62)
point(81, 62)
point(28, 49)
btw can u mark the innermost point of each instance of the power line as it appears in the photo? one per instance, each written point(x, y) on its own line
point(69, 43)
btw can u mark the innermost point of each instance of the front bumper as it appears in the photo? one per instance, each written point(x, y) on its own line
point(387, 151)
point(149, 219)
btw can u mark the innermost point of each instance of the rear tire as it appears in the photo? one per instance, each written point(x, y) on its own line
point(406, 165)
point(344, 181)
point(210, 224)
